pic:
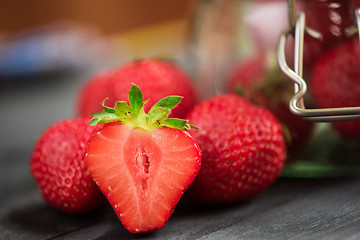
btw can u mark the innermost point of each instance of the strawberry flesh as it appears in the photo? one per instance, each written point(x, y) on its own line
point(142, 173)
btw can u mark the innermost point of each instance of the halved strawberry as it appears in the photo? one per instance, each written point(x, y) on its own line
point(142, 163)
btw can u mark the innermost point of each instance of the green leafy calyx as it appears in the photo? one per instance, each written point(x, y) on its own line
point(134, 115)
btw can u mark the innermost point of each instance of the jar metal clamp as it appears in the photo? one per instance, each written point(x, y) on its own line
point(298, 29)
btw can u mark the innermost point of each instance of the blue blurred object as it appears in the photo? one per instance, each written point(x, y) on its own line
point(53, 48)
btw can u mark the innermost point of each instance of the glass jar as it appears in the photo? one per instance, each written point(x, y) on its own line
point(234, 49)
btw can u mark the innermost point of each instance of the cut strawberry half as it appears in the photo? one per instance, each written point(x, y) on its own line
point(142, 163)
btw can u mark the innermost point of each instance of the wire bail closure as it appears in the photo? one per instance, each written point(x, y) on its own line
point(296, 105)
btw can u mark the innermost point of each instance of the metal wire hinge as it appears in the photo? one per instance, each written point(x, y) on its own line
point(298, 29)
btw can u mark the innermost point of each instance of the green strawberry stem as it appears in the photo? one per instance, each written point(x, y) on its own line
point(134, 115)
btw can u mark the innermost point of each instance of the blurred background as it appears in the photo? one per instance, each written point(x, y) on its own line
point(49, 48)
point(52, 35)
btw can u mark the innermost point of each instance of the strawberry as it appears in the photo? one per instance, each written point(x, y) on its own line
point(58, 166)
point(157, 79)
point(243, 149)
point(261, 81)
point(93, 92)
point(335, 83)
point(142, 162)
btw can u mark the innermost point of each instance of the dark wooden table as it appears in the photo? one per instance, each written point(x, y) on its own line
point(289, 209)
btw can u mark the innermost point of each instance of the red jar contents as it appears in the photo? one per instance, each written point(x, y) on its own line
point(335, 73)
point(330, 18)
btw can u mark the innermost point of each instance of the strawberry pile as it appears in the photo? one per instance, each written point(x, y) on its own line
point(136, 154)
point(134, 149)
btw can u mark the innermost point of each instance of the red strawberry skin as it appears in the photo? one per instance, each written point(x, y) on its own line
point(243, 149)
point(143, 174)
point(93, 92)
point(268, 86)
point(335, 83)
point(58, 166)
point(156, 79)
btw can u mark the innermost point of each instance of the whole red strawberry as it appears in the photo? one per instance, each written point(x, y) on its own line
point(157, 79)
point(142, 162)
point(93, 92)
point(261, 81)
point(58, 166)
point(335, 83)
point(243, 149)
